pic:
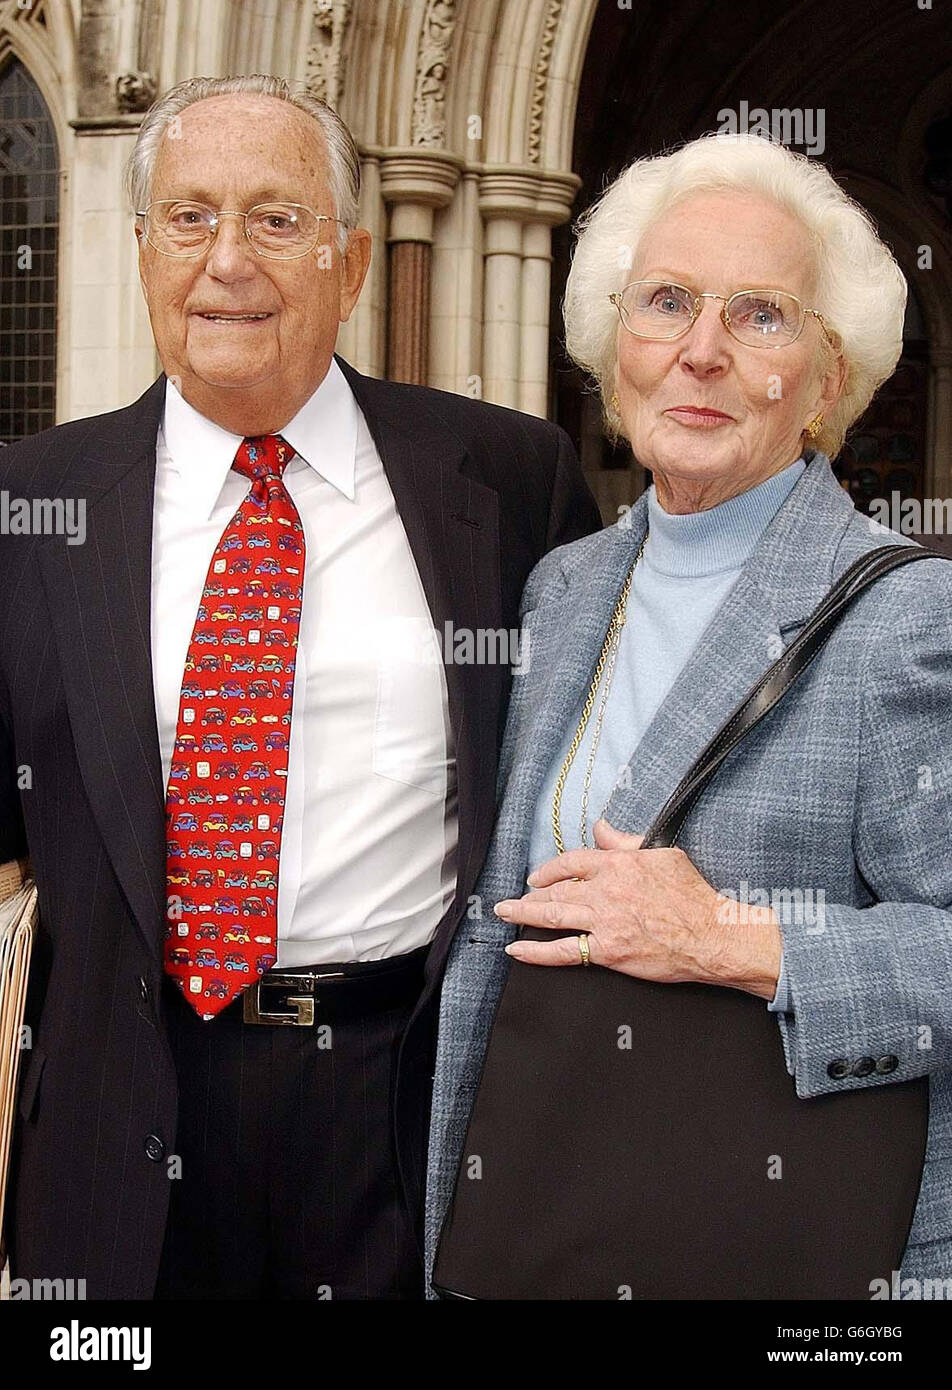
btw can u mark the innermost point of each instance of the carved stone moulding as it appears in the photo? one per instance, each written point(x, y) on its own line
point(135, 91)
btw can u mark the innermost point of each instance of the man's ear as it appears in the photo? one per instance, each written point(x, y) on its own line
point(355, 262)
point(143, 278)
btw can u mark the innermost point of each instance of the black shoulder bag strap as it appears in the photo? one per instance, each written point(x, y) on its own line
point(776, 681)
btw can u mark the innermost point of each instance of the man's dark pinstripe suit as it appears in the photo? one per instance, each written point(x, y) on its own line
point(483, 493)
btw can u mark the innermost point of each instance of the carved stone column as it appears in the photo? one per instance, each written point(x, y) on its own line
point(413, 183)
point(326, 66)
point(520, 207)
point(111, 81)
point(109, 352)
point(409, 316)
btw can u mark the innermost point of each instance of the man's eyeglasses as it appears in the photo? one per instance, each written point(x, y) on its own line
point(280, 231)
point(756, 318)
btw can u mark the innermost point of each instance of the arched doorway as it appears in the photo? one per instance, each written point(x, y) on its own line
point(29, 244)
point(654, 76)
point(885, 453)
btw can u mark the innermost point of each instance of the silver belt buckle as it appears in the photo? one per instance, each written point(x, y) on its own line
point(303, 1003)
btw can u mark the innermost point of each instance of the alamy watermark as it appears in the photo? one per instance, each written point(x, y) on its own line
point(910, 517)
point(76, 1343)
point(40, 1290)
point(43, 516)
point(801, 126)
point(910, 1289)
point(415, 642)
point(802, 907)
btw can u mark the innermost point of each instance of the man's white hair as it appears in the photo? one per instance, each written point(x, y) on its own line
point(343, 163)
point(859, 288)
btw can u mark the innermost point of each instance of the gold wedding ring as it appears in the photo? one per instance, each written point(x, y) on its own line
point(583, 949)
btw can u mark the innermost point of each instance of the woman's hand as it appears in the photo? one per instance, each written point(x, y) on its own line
point(648, 913)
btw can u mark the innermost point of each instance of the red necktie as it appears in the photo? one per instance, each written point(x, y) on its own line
point(225, 803)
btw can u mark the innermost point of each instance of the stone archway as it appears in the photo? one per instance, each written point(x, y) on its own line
point(464, 113)
point(465, 116)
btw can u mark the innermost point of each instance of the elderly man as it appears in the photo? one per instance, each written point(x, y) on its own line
point(255, 797)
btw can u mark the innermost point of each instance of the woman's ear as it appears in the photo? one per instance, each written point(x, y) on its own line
point(832, 384)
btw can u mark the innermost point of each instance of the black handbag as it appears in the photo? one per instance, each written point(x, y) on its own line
point(682, 1165)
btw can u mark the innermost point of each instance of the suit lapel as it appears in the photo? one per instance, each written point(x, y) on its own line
point(452, 524)
point(99, 596)
point(775, 593)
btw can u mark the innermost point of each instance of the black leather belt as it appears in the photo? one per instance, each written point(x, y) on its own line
point(287, 998)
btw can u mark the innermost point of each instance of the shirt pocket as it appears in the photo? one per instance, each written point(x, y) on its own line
point(411, 735)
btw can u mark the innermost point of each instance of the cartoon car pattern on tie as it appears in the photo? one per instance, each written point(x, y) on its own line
point(227, 777)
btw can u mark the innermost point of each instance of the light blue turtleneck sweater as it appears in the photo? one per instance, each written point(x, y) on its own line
point(689, 564)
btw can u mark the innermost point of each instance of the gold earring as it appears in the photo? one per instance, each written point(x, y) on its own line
point(615, 402)
point(814, 427)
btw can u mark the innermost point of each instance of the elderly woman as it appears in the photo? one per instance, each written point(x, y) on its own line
point(737, 311)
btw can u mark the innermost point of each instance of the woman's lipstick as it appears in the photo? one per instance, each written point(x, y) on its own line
point(698, 415)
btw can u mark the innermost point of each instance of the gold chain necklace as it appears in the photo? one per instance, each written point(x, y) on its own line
point(606, 667)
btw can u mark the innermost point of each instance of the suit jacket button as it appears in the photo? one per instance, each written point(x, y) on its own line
point(863, 1066)
point(154, 1148)
point(887, 1064)
point(838, 1069)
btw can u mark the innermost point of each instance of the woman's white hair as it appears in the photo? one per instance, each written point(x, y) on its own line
point(343, 163)
point(860, 290)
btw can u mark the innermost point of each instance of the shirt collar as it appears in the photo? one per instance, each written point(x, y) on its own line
point(323, 434)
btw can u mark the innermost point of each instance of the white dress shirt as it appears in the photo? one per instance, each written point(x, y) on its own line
point(369, 841)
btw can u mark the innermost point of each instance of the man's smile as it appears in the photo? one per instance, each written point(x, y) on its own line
point(223, 316)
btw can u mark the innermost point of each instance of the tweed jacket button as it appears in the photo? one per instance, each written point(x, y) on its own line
point(863, 1066)
point(838, 1069)
point(887, 1064)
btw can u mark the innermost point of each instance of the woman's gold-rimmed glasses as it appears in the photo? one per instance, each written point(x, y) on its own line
point(279, 231)
point(757, 318)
